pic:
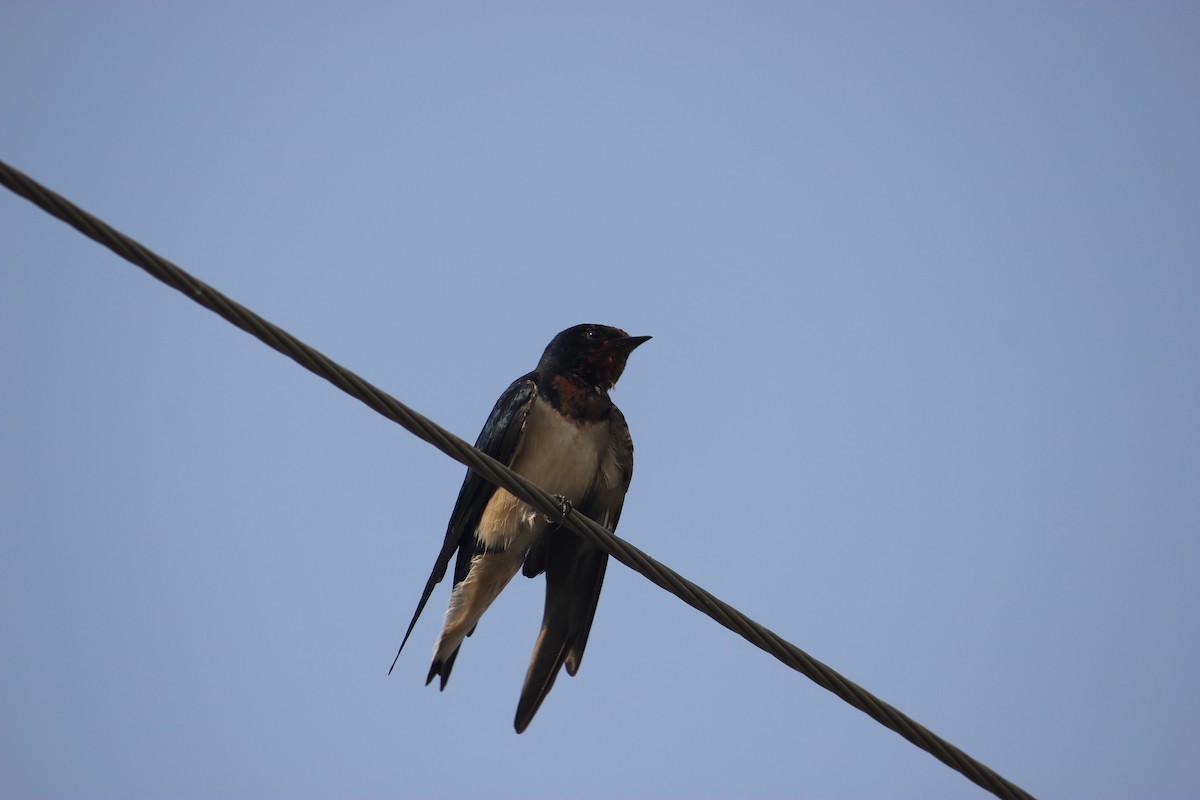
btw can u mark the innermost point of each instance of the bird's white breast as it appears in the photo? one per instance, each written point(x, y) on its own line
point(559, 455)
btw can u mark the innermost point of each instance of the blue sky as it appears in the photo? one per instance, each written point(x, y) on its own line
point(923, 282)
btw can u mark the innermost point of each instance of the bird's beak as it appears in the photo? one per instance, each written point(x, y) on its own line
point(630, 342)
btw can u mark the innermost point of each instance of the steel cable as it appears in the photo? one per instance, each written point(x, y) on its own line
point(497, 473)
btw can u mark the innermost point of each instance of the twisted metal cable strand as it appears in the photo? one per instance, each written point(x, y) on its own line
point(498, 474)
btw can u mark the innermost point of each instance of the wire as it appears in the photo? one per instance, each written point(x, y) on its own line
point(498, 474)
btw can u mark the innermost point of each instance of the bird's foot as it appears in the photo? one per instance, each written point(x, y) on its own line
point(565, 507)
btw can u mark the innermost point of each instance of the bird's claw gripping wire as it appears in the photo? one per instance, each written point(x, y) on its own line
point(565, 508)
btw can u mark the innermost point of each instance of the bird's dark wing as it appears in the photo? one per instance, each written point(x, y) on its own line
point(574, 576)
point(499, 438)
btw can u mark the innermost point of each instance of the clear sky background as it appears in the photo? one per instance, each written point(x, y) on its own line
point(924, 286)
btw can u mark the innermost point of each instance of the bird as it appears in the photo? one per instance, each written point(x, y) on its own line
point(557, 427)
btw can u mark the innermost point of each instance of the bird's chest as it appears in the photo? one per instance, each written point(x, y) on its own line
point(559, 455)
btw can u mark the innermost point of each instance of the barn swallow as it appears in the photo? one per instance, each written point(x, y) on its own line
point(558, 428)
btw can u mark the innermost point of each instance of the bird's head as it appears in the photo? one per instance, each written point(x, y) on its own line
point(596, 353)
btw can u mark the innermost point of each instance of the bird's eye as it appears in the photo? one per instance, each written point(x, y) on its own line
point(591, 334)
